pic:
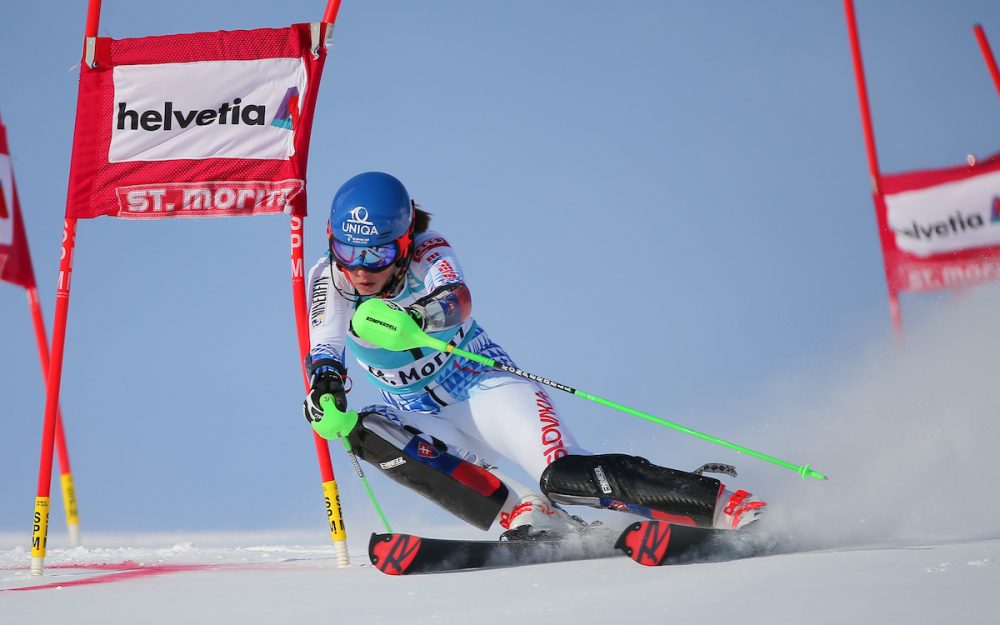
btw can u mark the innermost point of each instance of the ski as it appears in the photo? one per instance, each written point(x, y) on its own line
point(652, 543)
point(405, 554)
point(656, 543)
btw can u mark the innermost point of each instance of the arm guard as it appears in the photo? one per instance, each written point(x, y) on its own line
point(445, 307)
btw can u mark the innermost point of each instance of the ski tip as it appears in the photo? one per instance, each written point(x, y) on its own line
point(645, 542)
point(620, 544)
point(393, 554)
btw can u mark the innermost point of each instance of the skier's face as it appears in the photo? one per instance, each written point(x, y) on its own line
point(369, 282)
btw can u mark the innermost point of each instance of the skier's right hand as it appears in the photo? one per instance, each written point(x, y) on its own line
point(324, 380)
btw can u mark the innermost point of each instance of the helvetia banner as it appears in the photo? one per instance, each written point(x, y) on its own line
point(197, 125)
point(15, 261)
point(944, 224)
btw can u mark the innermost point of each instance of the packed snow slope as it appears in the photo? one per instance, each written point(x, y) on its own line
point(250, 580)
point(906, 530)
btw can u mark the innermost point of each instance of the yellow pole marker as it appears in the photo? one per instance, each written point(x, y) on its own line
point(69, 502)
point(39, 534)
point(335, 516)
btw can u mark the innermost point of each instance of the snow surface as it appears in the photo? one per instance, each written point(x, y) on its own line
point(268, 579)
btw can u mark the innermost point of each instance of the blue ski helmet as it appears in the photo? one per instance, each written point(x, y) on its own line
point(371, 209)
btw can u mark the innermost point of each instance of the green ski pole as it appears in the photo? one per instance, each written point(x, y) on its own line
point(337, 424)
point(390, 327)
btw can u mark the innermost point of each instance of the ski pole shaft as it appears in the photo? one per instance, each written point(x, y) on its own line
point(337, 424)
point(390, 327)
point(802, 470)
point(364, 482)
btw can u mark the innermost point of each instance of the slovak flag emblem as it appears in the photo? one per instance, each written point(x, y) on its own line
point(426, 450)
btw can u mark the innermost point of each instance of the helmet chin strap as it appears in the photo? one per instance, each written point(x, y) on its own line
point(395, 284)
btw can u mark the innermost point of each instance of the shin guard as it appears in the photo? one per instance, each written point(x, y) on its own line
point(423, 463)
point(632, 484)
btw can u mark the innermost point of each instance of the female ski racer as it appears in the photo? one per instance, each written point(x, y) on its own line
point(446, 420)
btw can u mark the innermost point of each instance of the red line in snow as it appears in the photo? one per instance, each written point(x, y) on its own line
point(132, 570)
point(103, 566)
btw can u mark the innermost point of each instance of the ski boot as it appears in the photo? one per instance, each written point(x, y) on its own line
point(732, 510)
point(736, 510)
point(536, 518)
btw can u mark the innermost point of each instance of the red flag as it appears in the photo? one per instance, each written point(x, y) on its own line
point(15, 260)
point(196, 125)
point(943, 226)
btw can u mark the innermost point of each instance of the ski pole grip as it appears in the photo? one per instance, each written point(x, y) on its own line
point(386, 325)
point(334, 423)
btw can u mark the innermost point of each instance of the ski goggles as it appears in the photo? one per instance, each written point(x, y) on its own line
point(374, 258)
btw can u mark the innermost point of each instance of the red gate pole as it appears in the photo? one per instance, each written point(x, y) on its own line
point(52, 384)
point(991, 62)
point(40, 529)
point(335, 515)
point(330, 17)
point(885, 233)
point(62, 450)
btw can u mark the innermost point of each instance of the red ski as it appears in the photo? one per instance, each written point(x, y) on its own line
point(406, 554)
point(655, 543)
point(652, 543)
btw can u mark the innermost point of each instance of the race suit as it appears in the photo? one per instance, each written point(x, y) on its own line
point(481, 414)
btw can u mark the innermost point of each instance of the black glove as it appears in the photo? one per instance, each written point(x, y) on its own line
point(325, 379)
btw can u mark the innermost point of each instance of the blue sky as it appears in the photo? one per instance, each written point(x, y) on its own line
point(662, 203)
